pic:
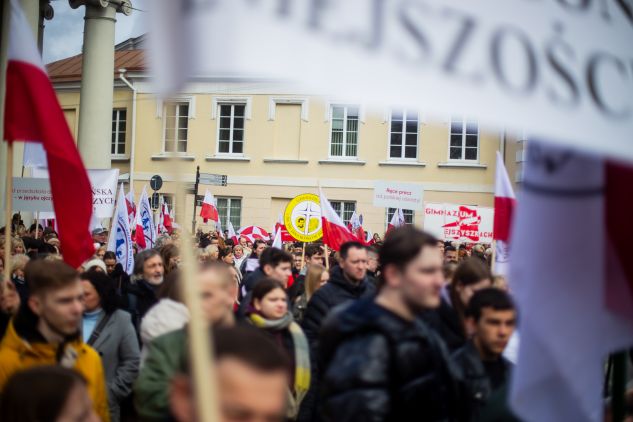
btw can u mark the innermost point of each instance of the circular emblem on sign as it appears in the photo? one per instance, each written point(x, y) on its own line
point(303, 218)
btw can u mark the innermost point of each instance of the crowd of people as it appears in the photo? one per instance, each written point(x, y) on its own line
point(407, 328)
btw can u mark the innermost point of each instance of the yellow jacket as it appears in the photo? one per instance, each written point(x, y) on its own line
point(17, 354)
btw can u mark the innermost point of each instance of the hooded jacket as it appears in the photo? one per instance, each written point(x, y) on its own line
point(24, 347)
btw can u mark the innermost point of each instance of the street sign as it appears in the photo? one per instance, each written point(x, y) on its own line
point(213, 179)
point(156, 182)
point(155, 201)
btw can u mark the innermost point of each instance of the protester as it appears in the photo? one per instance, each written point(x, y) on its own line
point(100, 252)
point(148, 276)
point(111, 333)
point(251, 263)
point(252, 376)
point(166, 352)
point(213, 252)
point(316, 277)
point(9, 305)
point(238, 253)
point(17, 246)
point(171, 257)
point(226, 255)
point(378, 360)
point(46, 330)
point(441, 246)
point(491, 319)
point(46, 393)
point(449, 271)
point(372, 265)
point(448, 320)
point(314, 256)
point(100, 235)
point(450, 254)
point(269, 311)
point(18, 265)
point(95, 264)
point(297, 264)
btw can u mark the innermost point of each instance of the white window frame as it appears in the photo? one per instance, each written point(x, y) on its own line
point(405, 113)
point(217, 129)
point(404, 213)
point(465, 121)
point(232, 100)
point(229, 199)
point(116, 141)
point(178, 101)
point(342, 213)
point(331, 118)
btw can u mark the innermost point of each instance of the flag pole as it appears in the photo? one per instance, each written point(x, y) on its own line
point(493, 262)
point(327, 258)
point(9, 205)
point(303, 255)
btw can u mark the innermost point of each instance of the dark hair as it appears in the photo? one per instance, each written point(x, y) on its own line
point(104, 286)
point(224, 252)
point(263, 287)
point(489, 298)
point(274, 257)
point(170, 287)
point(471, 271)
point(39, 228)
point(109, 255)
point(449, 248)
point(167, 252)
point(257, 242)
point(141, 257)
point(38, 394)
point(345, 247)
point(402, 245)
point(42, 275)
point(312, 250)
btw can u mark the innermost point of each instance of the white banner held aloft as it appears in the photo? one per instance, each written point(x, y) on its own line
point(30, 194)
point(462, 223)
point(103, 184)
point(407, 196)
point(520, 64)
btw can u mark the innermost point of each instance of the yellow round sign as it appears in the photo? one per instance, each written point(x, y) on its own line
point(303, 218)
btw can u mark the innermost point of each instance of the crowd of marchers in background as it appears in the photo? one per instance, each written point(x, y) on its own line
point(408, 328)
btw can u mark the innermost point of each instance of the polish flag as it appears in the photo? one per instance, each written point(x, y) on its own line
point(356, 227)
point(334, 231)
point(572, 275)
point(209, 210)
point(164, 220)
point(131, 207)
point(277, 243)
point(145, 232)
point(232, 235)
point(33, 114)
point(397, 220)
point(218, 228)
point(505, 202)
point(285, 236)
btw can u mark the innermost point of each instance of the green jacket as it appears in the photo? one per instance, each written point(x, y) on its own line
point(167, 355)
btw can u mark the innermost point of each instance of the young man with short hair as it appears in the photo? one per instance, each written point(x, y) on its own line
point(378, 360)
point(47, 330)
point(451, 254)
point(313, 256)
point(491, 320)
point(252, 375)
point(251, 263)
point(109, 258)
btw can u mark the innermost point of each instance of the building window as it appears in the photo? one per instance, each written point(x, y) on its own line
point(169, 200)
point(464, 141)
point(403, 135)
point(344, 135)
point(230, 209)
point(176, 126)
point(407, 214)
point(344, 209)
point(231, 128)
point(119, 121)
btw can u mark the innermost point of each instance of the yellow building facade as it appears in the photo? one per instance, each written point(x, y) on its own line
point(274, 142)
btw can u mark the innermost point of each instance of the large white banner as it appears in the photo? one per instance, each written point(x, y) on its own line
point(463, 223)
point(407, 196)
point(103, 192)
point(561, 69)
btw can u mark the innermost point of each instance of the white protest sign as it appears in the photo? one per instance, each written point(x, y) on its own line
point(463, 223)
point(560, 69)
point(31, 194)
point(103, 192)
point(407, 196)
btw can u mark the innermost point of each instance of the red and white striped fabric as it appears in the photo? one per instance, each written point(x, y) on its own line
point(253, 233)
point(505, 202)
point(232, 235)
point(335, 233)
point(209, 211)
point(33, 114)
point(397, 220)
point(131, 207)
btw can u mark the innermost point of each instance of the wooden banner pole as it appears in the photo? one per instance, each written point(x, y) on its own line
point(7, 213)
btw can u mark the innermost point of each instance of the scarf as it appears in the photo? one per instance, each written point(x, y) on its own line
point(302, 355)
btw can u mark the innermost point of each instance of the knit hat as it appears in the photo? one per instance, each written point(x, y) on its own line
point(95, 263)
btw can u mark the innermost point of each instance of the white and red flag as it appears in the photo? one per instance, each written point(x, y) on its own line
point(253, 233)
point(145, 235)
point(397, 220)
point(335, 233)
point(33, 114)
point(572, 276)
point(285, 236)
point(209, 210)
point(505, 202)
point(131, 207)
point(164, 221)
point(232, 235)
point(356, 227)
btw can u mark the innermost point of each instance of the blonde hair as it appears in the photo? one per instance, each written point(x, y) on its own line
point(313, 279)
point(15, 242)
point(18, 262)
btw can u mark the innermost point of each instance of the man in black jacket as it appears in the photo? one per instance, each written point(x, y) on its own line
point(491, 318)
point(379, 361)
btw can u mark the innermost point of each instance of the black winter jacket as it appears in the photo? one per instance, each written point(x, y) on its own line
point(445, 321)
point(379, 367)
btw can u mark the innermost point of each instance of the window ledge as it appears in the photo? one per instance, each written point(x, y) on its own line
point(284, 161)
point(460, 164)
point(402, 163)
point(165, 157)
point(114, 157)
point(220, 157)
point(352, 162)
